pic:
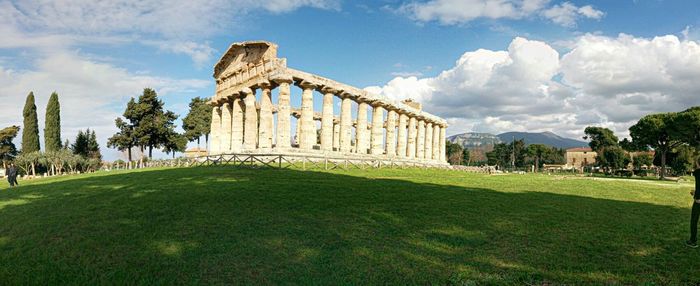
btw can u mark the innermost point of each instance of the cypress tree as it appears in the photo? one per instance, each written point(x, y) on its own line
point(30, 134)
point(52, 128)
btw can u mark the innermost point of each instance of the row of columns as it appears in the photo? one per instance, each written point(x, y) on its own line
point(237, 125)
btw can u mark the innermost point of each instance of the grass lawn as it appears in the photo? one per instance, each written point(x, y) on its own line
point(222, 225)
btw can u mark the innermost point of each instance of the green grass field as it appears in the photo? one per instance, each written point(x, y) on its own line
point(223, 225)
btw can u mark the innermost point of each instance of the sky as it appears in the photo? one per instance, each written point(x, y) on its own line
point(485, 66)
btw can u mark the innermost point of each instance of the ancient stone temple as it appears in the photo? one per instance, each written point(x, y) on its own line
point(331, 119)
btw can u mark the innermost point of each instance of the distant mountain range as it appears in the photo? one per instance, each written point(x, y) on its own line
point(486, 140)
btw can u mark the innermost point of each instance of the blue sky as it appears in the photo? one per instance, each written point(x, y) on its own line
point(486, 66)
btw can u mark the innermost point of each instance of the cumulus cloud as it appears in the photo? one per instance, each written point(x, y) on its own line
point(450, 12)
point(566, 14)
point(607, 81)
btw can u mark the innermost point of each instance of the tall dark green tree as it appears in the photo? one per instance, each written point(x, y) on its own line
point(197, 122)
point(52, 127)
point(176, 143)
point(125, 139)
point(30, 134)
point(156, 124)
point(8, 150)
point(655, 131)
point(453, 153)
point(86, 145)
point(537, 151)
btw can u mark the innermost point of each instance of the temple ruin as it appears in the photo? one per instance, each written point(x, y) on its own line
point(366, 125)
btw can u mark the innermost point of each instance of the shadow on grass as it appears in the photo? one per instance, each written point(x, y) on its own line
point(223, 225)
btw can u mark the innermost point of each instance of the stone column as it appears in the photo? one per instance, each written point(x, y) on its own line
point(250, 133)
point(436, 142)
point(336, 136)
point(215, 139)
point(428, 141)
point(237, 127)
point(283, 113)
point(420, 141)
point(442, 143)
point(412, 138)
point(361, 135)
point(297, 133)
point(225, 134)
point(266, 118)
point(345, 123)
point(327, 119)
point(377, 144)
point(308, 126)
point(391, 133)
point(401, 145)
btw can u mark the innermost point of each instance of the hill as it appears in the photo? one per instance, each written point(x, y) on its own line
point(473, 140)
point(546, 138)
point(486, 141)
point(256, 226)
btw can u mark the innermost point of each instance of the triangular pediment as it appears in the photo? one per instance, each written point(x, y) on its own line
point(244, 54)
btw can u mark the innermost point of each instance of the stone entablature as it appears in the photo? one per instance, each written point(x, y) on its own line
point(240, 123)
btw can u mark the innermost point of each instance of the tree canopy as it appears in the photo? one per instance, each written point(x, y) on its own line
point(8, 150)
point(86, 145)
point(600, 138)
point(30, 134)
point(197, 122)
point(52, 127)
point(654, 130)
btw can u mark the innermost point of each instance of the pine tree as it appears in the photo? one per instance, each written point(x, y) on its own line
point(52, 128)
point(155, 125)
point(198, 120)
point(7, 149)
point(30, 134)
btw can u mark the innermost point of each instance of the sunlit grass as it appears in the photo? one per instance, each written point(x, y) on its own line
point(223, 225)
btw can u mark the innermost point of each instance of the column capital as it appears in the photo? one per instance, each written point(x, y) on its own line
point(246, 90)
point(305, 84)
point(329, 89)
point(283, 78)
point(265, 84)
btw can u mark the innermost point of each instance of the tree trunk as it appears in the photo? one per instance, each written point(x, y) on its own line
point(663, 164)
point(33, 170)
point(129, 152)
point(197, 143)
point(150, 152)
point(537, 164)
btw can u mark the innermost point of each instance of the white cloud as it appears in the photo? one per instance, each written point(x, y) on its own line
point(566, 14)
point(451, 12)
point(180, 23)
point(607, 81)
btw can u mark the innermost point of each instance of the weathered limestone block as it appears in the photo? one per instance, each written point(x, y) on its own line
point(345, 124)
point(391, 133)
point(237, 127)
point(402, 139)
point(215, 131)
point(436, 142)
point(377, 144)
point(283, 113)
point(250, 133)
point(225, 138)
point(266, 125)
point(420, 142)
point(442, 144)
point(327, 119)
point(336, 136)
point(361, 131)
point(308, 127)
point(412, 137)
point(428, 140)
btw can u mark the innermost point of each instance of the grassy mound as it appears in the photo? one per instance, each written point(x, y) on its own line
point(222, 225)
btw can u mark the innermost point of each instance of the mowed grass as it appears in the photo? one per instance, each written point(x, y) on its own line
point(225, 225)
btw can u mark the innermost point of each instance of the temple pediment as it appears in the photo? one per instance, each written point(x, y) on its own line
point(243, 56)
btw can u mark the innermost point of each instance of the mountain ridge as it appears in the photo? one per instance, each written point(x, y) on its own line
point(471, 140)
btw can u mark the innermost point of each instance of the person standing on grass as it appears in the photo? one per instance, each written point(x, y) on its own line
point(12, 175)
point(695, 212)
